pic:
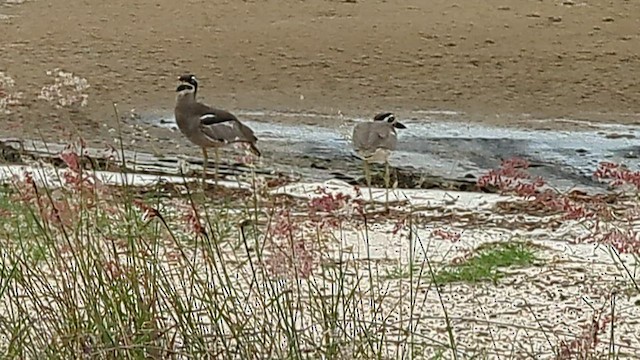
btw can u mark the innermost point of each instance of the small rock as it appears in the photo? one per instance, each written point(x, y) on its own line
point(504, 8)
point(534, 15)
point(555, 18)
point(568, 3)
point(607, 19)
point(619, 136)
point(490, 41)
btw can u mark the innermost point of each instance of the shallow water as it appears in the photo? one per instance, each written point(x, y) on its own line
point(451, 149)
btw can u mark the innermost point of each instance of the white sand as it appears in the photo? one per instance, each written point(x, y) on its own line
point(528, 312)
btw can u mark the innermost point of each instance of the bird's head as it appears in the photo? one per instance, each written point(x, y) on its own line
point(389, 118)
point(185, 90)
point(189, 78)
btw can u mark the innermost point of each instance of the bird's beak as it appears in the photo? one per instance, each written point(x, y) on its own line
point(399, 125)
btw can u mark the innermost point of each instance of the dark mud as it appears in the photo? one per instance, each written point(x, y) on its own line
point(444, 154)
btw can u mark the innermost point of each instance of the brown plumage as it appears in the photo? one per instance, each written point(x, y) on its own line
point(206, 126)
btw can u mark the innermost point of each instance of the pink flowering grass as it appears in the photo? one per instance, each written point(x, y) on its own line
point(92, 271)
point(585, 346)
point(596, 212)
point(120, 273)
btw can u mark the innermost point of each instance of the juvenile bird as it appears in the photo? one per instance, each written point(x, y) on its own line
point(374, 141)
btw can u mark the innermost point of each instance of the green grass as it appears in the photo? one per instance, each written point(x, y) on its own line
point(402, 271)
point(5, 201)
point(83, 275)
point(486, 263)
point(106, 284)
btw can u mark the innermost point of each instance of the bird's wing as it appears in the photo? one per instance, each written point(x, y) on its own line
point(222, 126)
point(211, 116)
point(371, 136)
point(387, 138)
point(360, 136)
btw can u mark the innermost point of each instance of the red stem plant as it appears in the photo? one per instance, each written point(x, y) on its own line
point(295, 241)
point(602, 216)
point(609, 219)
point(80, 190)
point(585, 345)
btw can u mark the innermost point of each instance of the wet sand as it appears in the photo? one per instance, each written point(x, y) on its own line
point(490, 60)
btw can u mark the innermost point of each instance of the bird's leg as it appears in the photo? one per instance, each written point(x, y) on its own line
point(387, 180)
point(204, 165)
point(367, 176)
point(217, 162)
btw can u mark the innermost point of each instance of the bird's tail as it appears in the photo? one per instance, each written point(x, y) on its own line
point(254, 149)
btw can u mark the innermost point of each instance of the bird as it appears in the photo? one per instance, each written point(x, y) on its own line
point(375, 140)
point(208, 127)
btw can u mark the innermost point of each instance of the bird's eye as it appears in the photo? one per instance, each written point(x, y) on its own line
point(391, 119)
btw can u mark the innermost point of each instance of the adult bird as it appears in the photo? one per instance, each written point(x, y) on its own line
point(375, 140)
point(208, 127)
